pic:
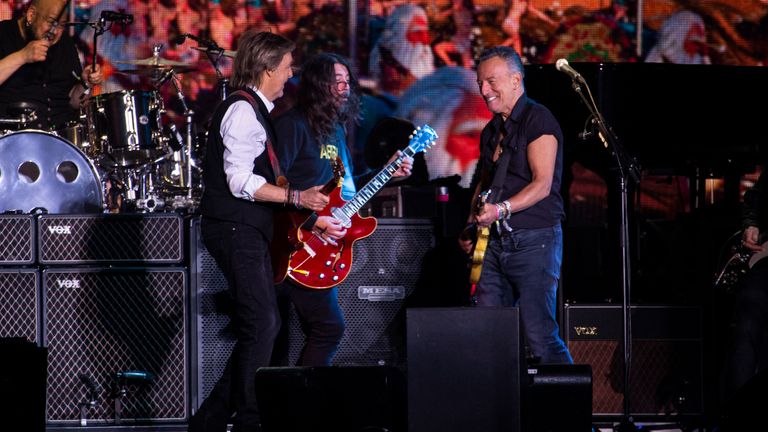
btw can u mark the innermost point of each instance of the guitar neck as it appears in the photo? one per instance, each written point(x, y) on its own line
point(374, 185)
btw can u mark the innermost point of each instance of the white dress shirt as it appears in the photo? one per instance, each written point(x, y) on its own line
point(244, 140)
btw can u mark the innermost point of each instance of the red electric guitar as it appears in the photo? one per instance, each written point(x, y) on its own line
point(287, 225)
point(316, 263)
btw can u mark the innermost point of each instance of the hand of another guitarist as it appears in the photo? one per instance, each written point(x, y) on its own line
point(405, 168)
point(750, 239)
point(329, 229)
point(313, 198)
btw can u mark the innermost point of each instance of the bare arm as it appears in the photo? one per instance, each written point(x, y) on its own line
point(542, 154)
point(34, 51)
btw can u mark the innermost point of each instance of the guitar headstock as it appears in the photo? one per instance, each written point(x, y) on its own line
point(422, 138)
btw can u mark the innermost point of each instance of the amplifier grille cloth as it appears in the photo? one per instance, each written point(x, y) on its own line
point(16, 245)
point(390, 258)
point(103, 322)
point(111, 238)
point(18, 304)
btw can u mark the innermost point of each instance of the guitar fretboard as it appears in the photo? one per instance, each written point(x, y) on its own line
point(374, 185)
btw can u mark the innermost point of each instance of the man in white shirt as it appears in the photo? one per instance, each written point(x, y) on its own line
point(239, 174)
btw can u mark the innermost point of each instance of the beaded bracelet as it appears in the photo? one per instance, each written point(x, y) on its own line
point(508, 208)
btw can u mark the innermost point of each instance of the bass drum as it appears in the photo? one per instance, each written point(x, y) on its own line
point(39, 170)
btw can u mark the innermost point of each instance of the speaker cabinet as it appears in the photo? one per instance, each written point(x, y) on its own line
point(17, 246)
point(111, 330)
point(464, 369)
point(212, 340)
point(666, 375)
point(384, 272)
point(111, 239)
point(331, 399)
point(19, 300)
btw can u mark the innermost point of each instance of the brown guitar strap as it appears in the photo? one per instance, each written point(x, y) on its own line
point(268, 143)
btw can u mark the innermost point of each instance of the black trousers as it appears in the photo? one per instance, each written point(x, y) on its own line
point(322, 322)
point(242, 253)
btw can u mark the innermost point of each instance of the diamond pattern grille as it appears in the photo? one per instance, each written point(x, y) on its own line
point(391, 257)
point(111, 238)
point(16, 240)
point(100, 322)
point(19, 314)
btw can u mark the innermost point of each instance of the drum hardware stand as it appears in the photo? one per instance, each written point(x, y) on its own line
point(186, 178)
point(24, 118)
point(627, 169)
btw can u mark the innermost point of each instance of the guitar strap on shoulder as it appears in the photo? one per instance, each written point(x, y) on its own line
point(503, 163)
point(268, 143)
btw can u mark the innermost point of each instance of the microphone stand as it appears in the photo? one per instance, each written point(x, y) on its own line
point(188, 114)
point(627, 170)
point(215, 54)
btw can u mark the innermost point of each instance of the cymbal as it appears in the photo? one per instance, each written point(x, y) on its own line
point(153, 71)
point(154, 62)
point(227, 53)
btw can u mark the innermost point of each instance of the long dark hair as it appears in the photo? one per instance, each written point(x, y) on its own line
point(316, 99)
point(257, 52)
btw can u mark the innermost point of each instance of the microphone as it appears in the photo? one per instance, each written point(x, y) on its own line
point(119, 17)
point(563, 66)
point(93, 388)
point(207, 43)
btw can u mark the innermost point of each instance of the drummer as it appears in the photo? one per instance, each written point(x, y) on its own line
point(40, 68)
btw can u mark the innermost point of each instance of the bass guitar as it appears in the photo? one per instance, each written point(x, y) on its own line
point(319, 264)
point(287, 237)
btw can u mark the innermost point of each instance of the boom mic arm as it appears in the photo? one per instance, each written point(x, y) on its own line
point(204, 42)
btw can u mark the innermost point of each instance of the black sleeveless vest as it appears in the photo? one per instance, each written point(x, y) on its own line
point(217, 201)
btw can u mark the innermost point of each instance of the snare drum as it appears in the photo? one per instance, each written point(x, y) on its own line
point(40, 169)
point(125, 126)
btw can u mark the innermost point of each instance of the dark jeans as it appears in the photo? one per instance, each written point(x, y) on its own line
point(321, 321)
point(242, 253)
point(521, 268)
point(749, 352)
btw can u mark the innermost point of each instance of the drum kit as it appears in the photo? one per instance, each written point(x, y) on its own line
point(119, 156)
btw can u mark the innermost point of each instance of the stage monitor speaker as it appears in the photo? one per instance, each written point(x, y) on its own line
point(331, 399)
point(384, 272)
point(666, 376)
point(22, 385)
point(137, 239)
point(18, 240)
point(116, 329)
point(464, 369)
point(19, 304)
point(212, 339)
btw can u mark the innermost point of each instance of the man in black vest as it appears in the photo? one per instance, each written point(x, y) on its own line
point(239, 174)
point(524, 144)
